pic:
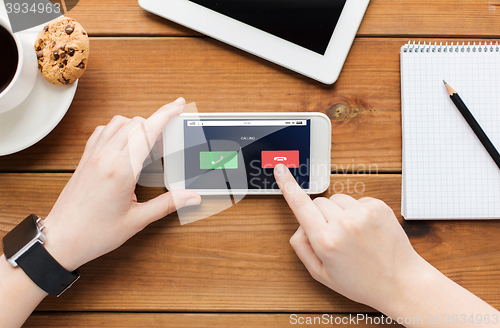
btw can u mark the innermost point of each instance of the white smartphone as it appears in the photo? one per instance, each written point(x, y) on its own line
point(235, 153)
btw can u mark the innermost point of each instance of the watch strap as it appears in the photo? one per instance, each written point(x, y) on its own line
point(45, 271)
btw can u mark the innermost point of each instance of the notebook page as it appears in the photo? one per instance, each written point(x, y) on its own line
point(447, 172)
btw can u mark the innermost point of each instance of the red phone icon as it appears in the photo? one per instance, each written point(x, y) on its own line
point(271, 158)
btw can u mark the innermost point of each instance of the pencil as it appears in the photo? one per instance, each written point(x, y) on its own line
point(473, 124)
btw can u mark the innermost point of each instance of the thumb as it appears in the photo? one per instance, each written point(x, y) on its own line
point(167, 203)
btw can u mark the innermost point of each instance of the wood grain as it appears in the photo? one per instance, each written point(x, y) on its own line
point(135, 76)
point(364, 105)
point(240, 259)
point(152, 320)
point(444, 18)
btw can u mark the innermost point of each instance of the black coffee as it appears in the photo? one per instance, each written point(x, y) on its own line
point(9, 58)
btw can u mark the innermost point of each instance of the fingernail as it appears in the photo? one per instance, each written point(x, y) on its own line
point(280, 169)
point(193, 201)
point(180, 100)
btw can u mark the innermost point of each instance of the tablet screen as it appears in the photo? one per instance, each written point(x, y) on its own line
point(242, 154)
point(306, 23)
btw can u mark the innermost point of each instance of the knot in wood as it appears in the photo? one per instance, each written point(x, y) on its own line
point(416, 228)
point(338, 112)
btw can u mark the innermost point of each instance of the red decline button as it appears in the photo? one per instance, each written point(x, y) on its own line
point(288, 157)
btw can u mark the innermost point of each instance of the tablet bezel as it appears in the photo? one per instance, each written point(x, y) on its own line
point(324, 68)
point(173, 149)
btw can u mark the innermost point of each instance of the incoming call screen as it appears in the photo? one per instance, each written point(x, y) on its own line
point(241, 154)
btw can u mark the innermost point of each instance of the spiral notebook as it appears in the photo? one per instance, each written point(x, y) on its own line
point(447, 173)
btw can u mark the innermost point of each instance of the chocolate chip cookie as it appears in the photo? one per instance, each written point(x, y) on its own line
point(62, 49)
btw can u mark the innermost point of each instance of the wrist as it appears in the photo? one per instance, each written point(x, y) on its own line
point(425, 293)
point(19, 295)
point(409, 287)
point(14, 277)
point(59, 247)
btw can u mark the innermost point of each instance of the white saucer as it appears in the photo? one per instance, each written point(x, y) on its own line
point(38, 115)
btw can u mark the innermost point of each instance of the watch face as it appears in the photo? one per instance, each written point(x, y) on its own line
point(21, 235)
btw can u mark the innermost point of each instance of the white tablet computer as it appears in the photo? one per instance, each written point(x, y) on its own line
point(311, 37)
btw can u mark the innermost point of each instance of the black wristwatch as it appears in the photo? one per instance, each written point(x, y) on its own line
point(23, 246)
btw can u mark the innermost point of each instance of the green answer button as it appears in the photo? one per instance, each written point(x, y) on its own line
point(218, 160)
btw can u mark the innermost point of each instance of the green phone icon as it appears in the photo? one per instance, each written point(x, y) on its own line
point(218, 160)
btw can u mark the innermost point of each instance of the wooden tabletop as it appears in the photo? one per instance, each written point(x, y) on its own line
point(237, 267)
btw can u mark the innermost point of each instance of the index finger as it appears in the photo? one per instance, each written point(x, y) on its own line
point(142, 137)
point(309, 216)
point(156, 122)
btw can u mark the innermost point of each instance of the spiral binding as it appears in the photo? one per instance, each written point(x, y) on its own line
point(418, 47)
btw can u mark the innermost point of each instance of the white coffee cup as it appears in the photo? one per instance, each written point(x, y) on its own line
point(27, 69)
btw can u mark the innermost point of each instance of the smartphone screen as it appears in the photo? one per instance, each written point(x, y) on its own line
point(242, 153)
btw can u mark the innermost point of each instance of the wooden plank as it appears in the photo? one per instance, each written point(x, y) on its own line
point(467, 18)
point(235, 261)
point(178, 320)
point(135, 76)
point(364, 105)
point(430, 18)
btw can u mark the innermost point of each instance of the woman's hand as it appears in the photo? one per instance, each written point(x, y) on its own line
point(358, 249)
point(355, 247)
point(98, 210)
